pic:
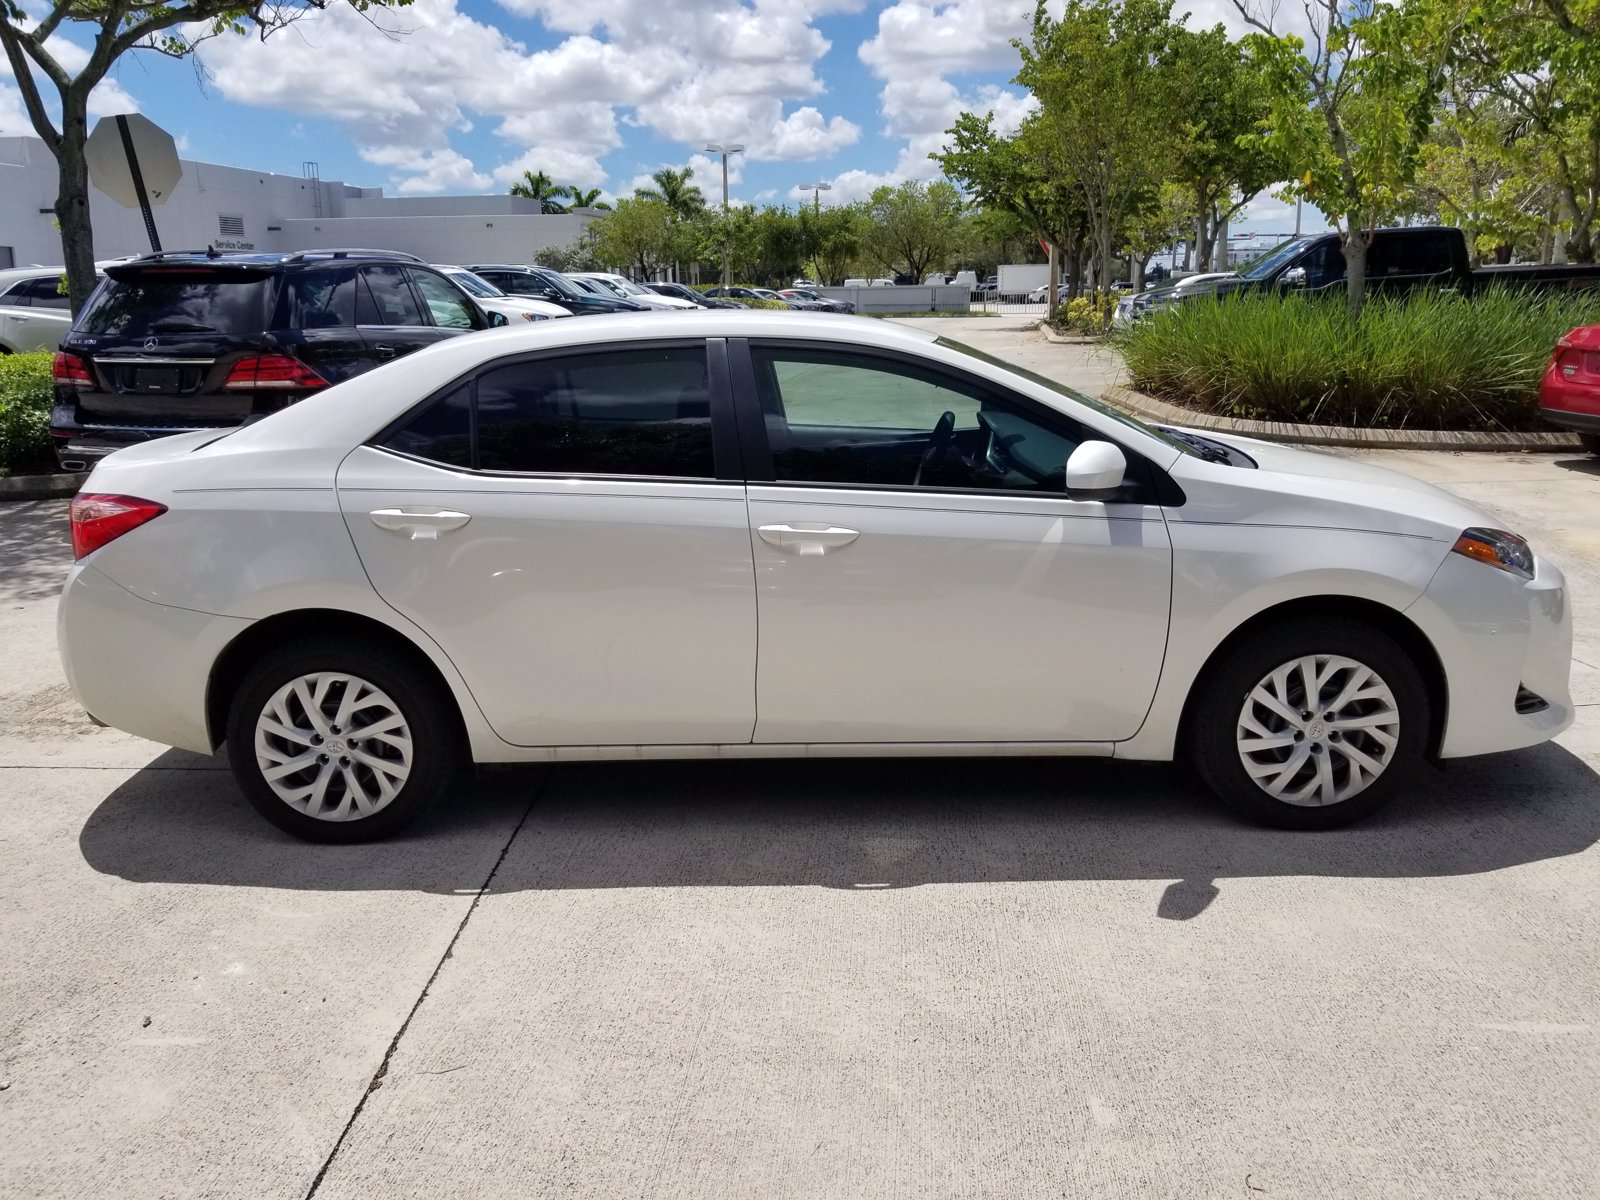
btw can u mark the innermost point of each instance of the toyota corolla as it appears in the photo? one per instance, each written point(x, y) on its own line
point(752, 535)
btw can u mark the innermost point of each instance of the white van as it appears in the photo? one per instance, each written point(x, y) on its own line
point(966, 279)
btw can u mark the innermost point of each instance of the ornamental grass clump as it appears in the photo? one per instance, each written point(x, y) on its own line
point(1430, 360)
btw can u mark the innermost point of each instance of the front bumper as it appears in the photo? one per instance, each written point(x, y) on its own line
point(136, 665)
point(1499, 637)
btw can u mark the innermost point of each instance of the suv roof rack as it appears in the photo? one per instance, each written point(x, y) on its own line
point(400, 255)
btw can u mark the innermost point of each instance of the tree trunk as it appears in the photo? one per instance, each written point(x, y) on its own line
point(1138, 262)
point(1055, 283)
point(72, 200)
point(1355, 264)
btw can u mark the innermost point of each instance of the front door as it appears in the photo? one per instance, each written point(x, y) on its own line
point(921, 574)
point(562, 526)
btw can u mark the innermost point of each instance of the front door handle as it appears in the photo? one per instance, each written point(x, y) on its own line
point(423, 525)
point(807, 540)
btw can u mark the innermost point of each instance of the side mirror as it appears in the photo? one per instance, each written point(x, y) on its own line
point(498, 319)
point(1095, 467)
point(1294, 277)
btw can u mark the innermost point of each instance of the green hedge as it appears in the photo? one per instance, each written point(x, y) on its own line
point(25, 398)
point(1428, 361)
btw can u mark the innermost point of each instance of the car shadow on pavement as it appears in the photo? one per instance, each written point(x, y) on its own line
point(852, 824)
point(26, 527)
point(1587, 464)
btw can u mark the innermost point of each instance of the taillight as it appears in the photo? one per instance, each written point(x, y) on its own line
point(277, 372)
point(98, 518)
point(71, 370)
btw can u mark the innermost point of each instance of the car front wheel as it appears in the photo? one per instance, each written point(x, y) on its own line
point(1310, 726)
point(337, 741)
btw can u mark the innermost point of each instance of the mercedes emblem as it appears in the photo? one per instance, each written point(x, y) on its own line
point(151, 343)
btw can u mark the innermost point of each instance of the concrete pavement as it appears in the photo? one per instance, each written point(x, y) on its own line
point(815, 979)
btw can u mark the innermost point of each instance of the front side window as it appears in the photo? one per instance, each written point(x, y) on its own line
point(43, 293)
point(387, 298)
point(644, 412)
point(447, 306)
point(842, 417)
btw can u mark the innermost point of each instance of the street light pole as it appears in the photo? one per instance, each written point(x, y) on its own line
point(727, 265)
point(816, 190)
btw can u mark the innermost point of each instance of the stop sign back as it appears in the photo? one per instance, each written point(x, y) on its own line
point(154, 151)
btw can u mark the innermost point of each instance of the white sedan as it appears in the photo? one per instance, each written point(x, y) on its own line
point(759, 534)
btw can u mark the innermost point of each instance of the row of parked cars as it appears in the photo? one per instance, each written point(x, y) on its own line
point(188, 340)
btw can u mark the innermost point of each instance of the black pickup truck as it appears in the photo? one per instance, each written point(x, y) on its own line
point(1433, 256)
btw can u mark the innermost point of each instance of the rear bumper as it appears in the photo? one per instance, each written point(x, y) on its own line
point(1578, 422)
point(1499, 638)
point(88, 444)
point(139, 666)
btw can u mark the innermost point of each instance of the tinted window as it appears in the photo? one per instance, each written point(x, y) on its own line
point(447, 306)
point(1324, 265)
point(320, 299)
point(387, 299)
point(37, 293)
point(520, 285)
point(441, 432)
point(1409, 254)
point(632, 412)
point(179, 300)
point(842, 417)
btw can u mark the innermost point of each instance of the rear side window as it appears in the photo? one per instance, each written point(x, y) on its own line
point(36, 293)
point(387, 299)
point(1409, 254)
point(320, 299)
point(631, 412)
point(174, 300)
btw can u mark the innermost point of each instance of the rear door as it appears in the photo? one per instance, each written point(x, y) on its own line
point(570, 527)
point(390, 315)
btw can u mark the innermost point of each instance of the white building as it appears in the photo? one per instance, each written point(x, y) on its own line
point(235, 209)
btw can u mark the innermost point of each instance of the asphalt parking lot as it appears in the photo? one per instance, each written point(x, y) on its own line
point(813, 979)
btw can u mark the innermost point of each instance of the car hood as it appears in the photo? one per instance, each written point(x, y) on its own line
point(1291, 487)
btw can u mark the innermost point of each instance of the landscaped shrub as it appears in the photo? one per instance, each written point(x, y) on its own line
point(1428, 361)
point(25, 398)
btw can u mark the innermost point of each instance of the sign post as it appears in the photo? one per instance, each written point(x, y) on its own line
point(135, 162)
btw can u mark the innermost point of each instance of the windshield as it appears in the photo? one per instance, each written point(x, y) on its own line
point(1260, 268)
point(468, 282)
point(562, 284)
point(627, 287)
point(1061, 389)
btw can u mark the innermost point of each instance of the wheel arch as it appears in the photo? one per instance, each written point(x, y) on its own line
point(1380, 616)
point(234, 663)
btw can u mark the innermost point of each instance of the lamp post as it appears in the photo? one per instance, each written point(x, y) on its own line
point(816, 190)
point(724, 151)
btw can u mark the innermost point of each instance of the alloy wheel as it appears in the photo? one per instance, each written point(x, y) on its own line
point(1318, 730)
point(333, 746)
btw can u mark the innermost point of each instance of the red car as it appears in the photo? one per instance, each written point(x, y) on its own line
point(1569, 393)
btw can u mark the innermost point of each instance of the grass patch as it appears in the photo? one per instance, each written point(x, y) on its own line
point(26, 394)
point(1428, 361)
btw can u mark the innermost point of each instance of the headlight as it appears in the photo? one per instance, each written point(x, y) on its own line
point(533, 316)
point(1497, 548)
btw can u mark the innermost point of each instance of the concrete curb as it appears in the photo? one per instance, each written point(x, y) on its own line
point(1068, 339)
point(1331, 435)
point(40, 487)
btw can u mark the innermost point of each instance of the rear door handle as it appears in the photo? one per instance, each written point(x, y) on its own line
point(422, 525)
point(807, 541)
point(384, 351)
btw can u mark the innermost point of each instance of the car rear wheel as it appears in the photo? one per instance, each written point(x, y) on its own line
point(1311, 725)
point(1591, 442)
point(340, 741)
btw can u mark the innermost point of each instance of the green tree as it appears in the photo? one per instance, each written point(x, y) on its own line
point(577, 255)
point(832, 240)
point(636, 233)
point(1351, 115)
point(1100, 77)
point(539, 186)
point(914, 226)
point(117, 28)
point(578, 197)
point(674, 189)
point(1157, 225)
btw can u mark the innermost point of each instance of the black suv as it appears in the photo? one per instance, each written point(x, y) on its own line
point(194, 339)
point(541, 283)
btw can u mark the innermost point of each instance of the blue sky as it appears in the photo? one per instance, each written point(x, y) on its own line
point(460, 96)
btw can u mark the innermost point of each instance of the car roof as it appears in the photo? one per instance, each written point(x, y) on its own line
point(260, 259)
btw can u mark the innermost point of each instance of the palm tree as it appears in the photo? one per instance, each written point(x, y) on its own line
point(584, 199)
point(675, 191)
point(540, 187)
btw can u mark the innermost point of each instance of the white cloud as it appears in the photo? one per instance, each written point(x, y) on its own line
point(108, 98)
point(428, 171)
point(691, 71)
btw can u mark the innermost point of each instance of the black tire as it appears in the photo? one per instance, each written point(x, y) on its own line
point(1219, 701)
point(1591, 442)
point(437, 745)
